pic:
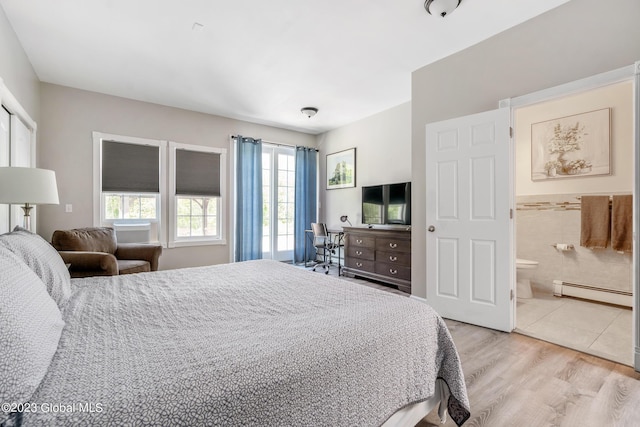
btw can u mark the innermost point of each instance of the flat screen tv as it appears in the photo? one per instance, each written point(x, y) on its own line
point(387, 204)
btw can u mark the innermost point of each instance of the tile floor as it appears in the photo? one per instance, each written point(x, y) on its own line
point(598, 329)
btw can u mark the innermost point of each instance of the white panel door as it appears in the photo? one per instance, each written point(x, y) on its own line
point(21, 156)
point(5, 140)
point(469, 255)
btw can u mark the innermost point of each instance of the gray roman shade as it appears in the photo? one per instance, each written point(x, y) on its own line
point(130, 167)
point(197, 173)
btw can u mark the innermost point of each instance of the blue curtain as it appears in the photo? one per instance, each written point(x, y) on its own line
point(248, 199)
point(305, 201)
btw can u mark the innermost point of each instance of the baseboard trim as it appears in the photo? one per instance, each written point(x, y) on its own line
point(422, 300)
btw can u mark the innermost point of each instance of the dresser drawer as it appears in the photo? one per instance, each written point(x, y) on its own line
point(357, 240)
point(361, 253)
point(394, 258)
point(394, 245)
point(395, 271)
point(360, 264)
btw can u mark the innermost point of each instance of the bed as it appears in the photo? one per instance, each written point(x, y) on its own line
point(256, 343)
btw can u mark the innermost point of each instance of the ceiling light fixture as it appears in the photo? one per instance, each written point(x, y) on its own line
point(309, 111)
point(441, 7)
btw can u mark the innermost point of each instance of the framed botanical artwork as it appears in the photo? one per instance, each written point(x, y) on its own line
point(572, 146)
point(341, 169)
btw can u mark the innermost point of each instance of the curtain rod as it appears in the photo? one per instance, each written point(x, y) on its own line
point(278, 144)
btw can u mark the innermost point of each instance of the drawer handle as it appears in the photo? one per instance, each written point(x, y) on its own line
point(393, 245)
point(358, 264)
point(393, 258)
point(392, 271)
point(358, 253)
point(359, 241)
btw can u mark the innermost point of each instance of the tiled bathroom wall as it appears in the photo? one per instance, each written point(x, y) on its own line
point(544, 220)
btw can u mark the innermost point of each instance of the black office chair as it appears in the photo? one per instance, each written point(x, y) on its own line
point(323, 244)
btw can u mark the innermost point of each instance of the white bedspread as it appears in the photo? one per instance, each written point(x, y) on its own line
point(258, 343)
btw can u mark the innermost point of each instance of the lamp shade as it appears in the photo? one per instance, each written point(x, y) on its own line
point(28, 186)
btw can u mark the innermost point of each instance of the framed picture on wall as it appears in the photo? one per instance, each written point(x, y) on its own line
point(341, 169)
point(572, 146)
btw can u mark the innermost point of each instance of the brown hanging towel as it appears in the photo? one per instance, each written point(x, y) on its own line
point(595, 222)
point(622, 223)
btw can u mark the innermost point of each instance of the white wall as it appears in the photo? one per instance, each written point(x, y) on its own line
point(69, 116)
point(383, 156)
point(618, 97)
point(16, 70)
point(576, 40)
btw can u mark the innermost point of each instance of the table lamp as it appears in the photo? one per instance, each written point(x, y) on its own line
point(28, 186)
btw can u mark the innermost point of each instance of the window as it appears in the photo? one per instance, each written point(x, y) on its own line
point(131, 184)
point(128, 181)
point(130, 206)
point(196, 201)
point(197, 216)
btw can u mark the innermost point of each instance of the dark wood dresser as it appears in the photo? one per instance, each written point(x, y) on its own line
point(382, 254)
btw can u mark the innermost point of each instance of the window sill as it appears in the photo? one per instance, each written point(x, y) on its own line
point(203, 242)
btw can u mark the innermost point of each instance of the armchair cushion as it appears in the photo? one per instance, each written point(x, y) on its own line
point(126, 266)
point(140, 251)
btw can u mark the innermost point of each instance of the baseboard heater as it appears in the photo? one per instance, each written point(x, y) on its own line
point(610, 296)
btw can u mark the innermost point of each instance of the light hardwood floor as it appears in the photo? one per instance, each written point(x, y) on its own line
point(518, 381)
point(514, 380)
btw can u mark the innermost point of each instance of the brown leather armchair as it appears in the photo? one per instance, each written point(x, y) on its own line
point(95, 252)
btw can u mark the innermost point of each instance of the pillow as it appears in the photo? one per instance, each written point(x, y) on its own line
point(31, 328)
point(43, 259)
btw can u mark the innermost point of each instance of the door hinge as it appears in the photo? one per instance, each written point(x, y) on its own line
point(511, 295)
point(510, 132)
point(511, 213)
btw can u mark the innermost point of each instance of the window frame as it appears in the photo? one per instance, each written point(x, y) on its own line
point(174, 240)
point(274, 151)
point(99, 217)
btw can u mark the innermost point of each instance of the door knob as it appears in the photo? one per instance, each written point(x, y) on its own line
point(431, 229)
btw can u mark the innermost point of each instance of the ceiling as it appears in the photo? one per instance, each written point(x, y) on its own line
point(254, 60)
